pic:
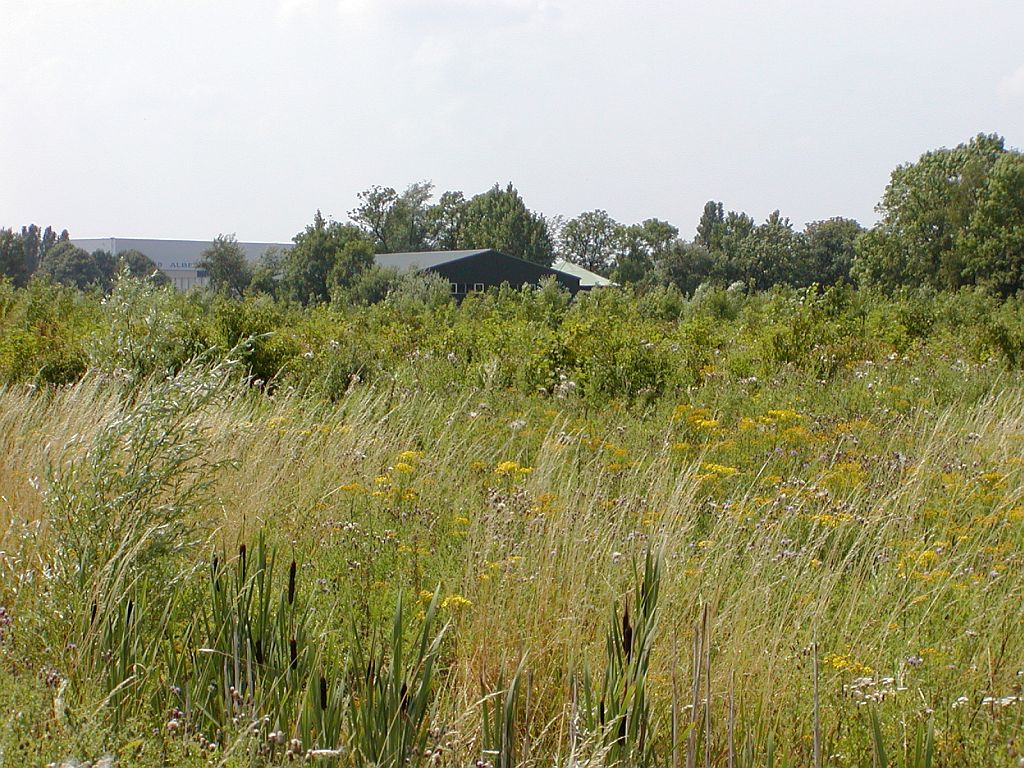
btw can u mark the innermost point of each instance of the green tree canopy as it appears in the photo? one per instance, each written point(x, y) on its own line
point(593, 240)
point(830, 249)
point(642, 247)
point(394, 222)
point(308, 269)
point(68, 264)
point(993, 242)
point(926, 210)
point(228, 269)
point(499, 219)
point(141, 266)
point(12, 257)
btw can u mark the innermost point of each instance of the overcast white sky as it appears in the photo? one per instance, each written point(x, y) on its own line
point(188, 118)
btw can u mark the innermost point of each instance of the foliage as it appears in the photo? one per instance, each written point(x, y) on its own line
point(226, 265)
point(499, 219)
point(926, 211)
point(592, 240)
point(396, 222)
point(993, 240)
point(308, 269)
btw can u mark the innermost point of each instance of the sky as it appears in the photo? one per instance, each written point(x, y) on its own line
point(191, 118)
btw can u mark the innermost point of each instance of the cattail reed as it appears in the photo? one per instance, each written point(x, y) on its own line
point(241, 557)
point(291, 583)
point(627, 633)
point(323, 693)
point(293, 651)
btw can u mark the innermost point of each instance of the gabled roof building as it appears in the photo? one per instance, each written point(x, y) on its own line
point(474, 271)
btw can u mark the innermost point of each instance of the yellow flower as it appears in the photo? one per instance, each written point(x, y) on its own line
point(511, 468)
point(456, 602)
point(410, 455)
point(405, 469)
point(720, 470)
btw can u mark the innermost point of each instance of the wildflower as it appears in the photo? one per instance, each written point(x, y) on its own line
point(404, 468)
point(719, 470)
point(511, 469)
point(409, 456)
point(456, 602)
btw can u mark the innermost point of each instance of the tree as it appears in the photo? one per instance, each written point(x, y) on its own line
point(729, 243)
point(395, 223)
point(225, 263)
point(444, 221)
point(829, 249)
point(684, 265)
point(712, 217)
point(68, 264)
point(642, 246)
point(306, 272)
point(499, 219)
point(592, 240)
point(12, 257)
point(993, 242)
point(268, 271)
point(37, 242)
point(141, 266)
point(772, 255)
point(926, 209)
point(354, 258)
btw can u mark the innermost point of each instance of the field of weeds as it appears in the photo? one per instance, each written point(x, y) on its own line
point(769, 564)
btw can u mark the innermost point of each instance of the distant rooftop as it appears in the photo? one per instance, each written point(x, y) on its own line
point(587, 278)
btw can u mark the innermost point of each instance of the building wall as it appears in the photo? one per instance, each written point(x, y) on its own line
point(491, 269)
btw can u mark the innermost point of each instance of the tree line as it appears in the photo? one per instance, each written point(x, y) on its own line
point(954, 218)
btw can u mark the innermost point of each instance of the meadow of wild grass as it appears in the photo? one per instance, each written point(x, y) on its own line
point(767, 530)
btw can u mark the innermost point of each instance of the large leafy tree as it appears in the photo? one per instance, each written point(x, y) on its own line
point(228, 269)
point(685, 265)
point(593, 240)
point(499, 219)
point(308, 270)
point(141, 266)
point(772, 255)
point(444, 221)
point(993, 242)
point(12, 257)
point(37, 242)
point(68, 264)
point(642, 247)
point(730, 242)
point(395, 222)
point(926, 210)
point(829, 249)
point(711, 218)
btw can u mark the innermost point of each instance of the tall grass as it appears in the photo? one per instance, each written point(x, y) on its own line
point(839, 567)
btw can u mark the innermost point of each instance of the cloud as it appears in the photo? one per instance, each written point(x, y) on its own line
point(1011, 87)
